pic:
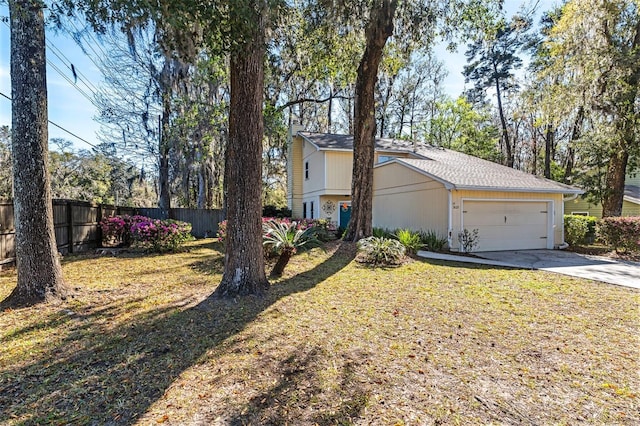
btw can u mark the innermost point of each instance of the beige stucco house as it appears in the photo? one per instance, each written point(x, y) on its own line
point(630, 202)
point(426, 188)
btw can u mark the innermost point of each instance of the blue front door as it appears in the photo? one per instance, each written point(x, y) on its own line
point(345, 214)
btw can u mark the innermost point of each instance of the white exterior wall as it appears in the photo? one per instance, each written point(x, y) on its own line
point(316, 180)
point(554, 202)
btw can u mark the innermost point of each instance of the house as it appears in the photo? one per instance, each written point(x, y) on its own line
point(426, 188)
point(630, 201)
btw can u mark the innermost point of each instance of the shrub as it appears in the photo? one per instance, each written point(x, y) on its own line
point(286, 239)
point(432, 241)
point(575, 229)
point(141, 231)
point(382, 233)
point(323, 229)
point(160, 235)
point(468, 240)
point(116, 230)
point(381, 251)
point(410, 240)
point(274, 211)
point(620, 233)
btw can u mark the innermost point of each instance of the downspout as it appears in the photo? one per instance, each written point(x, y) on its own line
point(450, 219)
point(571, 197)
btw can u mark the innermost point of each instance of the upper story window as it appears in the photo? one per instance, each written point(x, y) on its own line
point(383, 158)
point(306, 170)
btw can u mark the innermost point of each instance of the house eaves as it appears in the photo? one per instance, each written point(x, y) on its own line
point(453, 186)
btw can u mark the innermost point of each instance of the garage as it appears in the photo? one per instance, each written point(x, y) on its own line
point(509, 224)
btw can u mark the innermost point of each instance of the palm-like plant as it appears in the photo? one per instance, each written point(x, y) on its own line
point(286, 240)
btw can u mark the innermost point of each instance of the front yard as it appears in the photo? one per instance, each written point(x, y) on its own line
point(334, 342)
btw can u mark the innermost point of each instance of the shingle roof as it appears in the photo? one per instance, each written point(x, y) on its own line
point(632, 193)
point(329, 141)
point(452, 168)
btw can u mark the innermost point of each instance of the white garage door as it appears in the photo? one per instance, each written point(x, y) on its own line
point(508, 225)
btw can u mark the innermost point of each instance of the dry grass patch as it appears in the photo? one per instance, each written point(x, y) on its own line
point(334, 342)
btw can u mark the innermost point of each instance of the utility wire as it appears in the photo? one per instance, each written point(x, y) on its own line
point(60, 127)
point(68, 79)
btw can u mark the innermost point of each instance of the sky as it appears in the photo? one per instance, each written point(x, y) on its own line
point(67, 106)
point(69, 109)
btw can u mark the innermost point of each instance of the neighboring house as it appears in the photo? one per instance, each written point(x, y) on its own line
point(630, 202)
point(426, 188)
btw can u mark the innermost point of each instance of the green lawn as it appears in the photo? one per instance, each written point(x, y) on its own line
point(334, 342)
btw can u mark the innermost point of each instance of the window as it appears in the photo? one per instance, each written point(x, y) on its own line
point(306, 170)
point(383, 158)
point(311, 217)
point(304, 210)
point(580, 213)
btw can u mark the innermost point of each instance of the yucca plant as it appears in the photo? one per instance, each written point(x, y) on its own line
point(432, 241)
point(381, 251)
point(286, 240)
point(410, 240)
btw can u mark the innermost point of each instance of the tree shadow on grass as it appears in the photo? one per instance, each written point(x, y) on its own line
point(300, 396)
point(110, 372)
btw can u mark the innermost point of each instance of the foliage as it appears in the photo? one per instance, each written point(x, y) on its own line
point(275, 211)
point(468, 240)
point(492, 61)
point(410, 240)
point(322, 229)
point(380, 251)
point(620, 233)
point(288, 236)
point(382, 233)
point(6, 175)
point(286, 239)
point(97, 176)
point(461, 126)
point(575, 229)
point(592, 53)
point(432, 241)
point(143, 232)
point(160, 235)
point(117, 229)
point(579, 229)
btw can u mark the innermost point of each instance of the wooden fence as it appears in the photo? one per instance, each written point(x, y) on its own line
point(204, 222)
point(77, 224)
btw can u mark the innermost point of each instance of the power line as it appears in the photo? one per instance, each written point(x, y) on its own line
point(58, 53)
point(60, 127)
point(68, 79)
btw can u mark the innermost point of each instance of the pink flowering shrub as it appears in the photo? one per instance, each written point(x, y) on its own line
point(143, 232)
point(116, 230)
point(621, 233)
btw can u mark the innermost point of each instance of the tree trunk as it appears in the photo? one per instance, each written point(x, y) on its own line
point(244, 260)
point(614, 182)
point(627, 130)
point(503, 123)
point(283, 261)
point(378, 31)
point(39, 272)
point(548, 150)
point(571, 151)
point(164, 197)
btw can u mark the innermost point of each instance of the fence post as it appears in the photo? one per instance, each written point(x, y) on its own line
point(69, 227)
point(99, 233)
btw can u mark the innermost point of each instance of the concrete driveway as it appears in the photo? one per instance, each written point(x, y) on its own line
point(562, 262)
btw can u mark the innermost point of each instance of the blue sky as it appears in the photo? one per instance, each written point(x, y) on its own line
point(67, 107)
point(71, 110)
